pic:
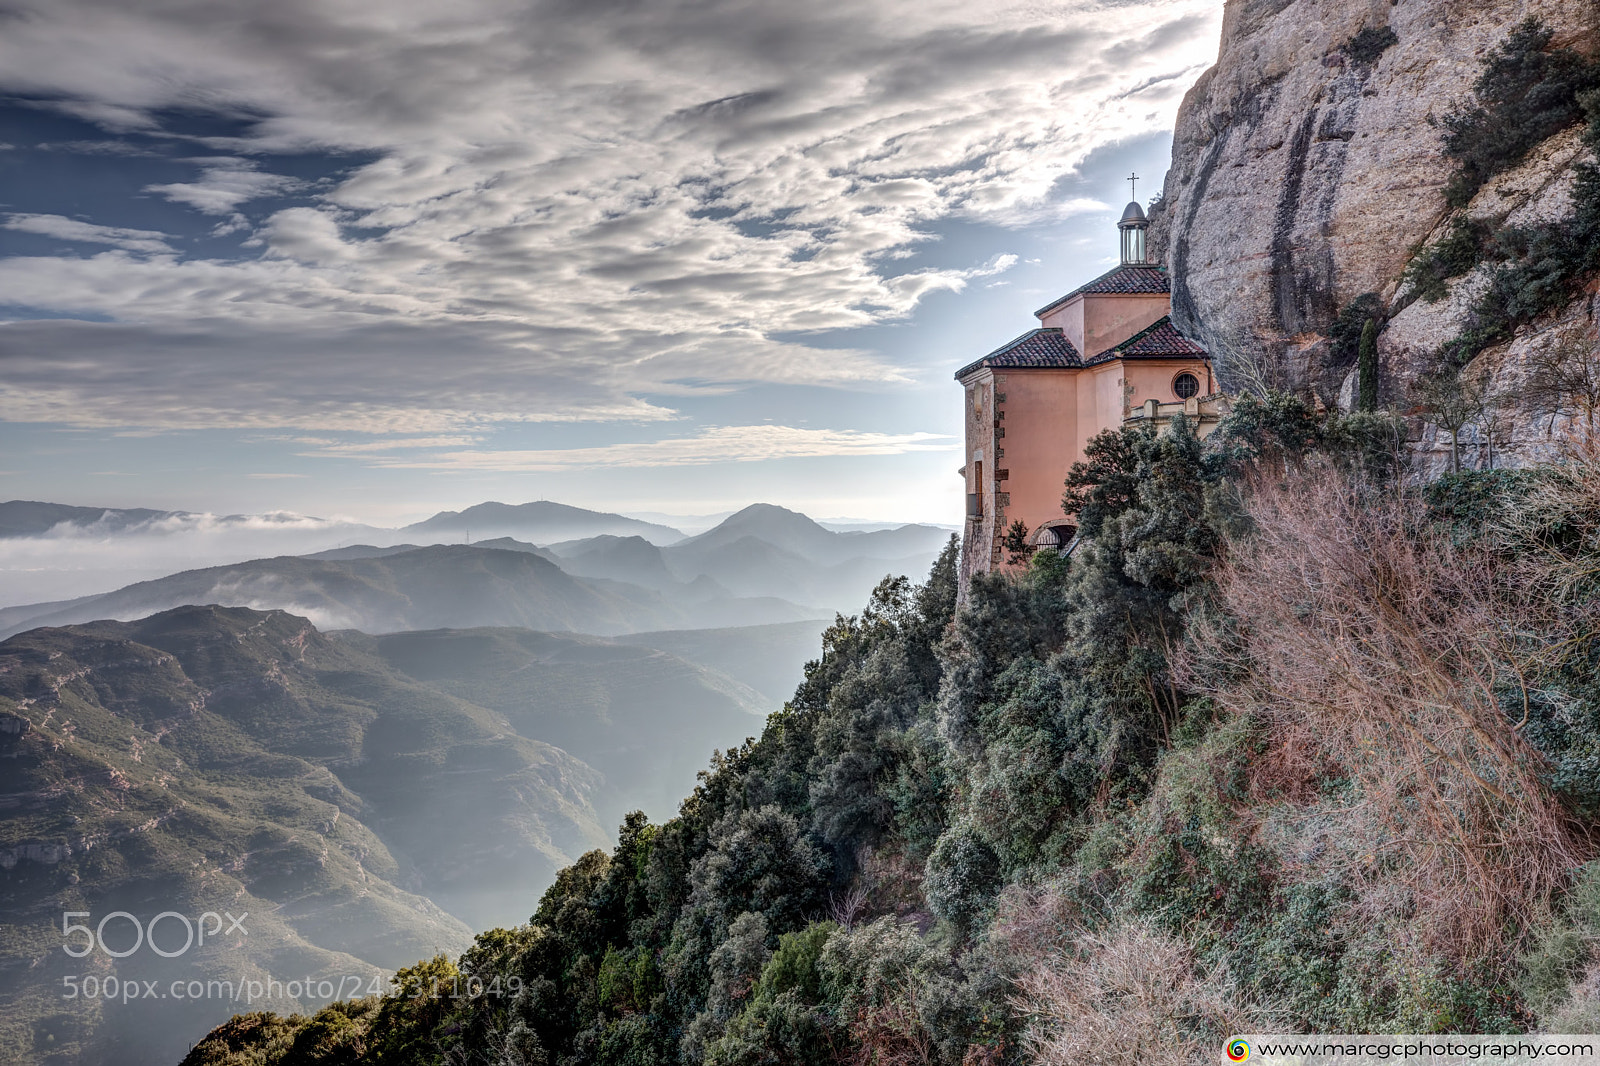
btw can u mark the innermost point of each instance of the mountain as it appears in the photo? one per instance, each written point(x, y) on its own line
point(763, 553)
point(645, 717)
point(794, 532)
point(687, 523)
point(542, 522)
point(1311, 170)
point(375, 551)
point(766, 550)
point(769, 658)
point(222, 759)
point(52, 551)
point(423, 588)
point(362, 551)
point(365, 799)
point(632, 559)
point(30, 518)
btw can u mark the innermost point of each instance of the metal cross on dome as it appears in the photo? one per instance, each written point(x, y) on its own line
point(1133, 186)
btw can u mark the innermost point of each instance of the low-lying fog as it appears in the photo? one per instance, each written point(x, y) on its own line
point(78, 560)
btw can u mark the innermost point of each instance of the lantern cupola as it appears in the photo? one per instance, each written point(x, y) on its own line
point(1133, 225)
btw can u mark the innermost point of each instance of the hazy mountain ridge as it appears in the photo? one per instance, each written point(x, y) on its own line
point(762, 565)
point(631, 708)
point(797, 533)
point(24, 518)
point(769, 658)
point(540, 521)
point(348, 791)
point(441, 586)
point(765, 550)
point(213, 758)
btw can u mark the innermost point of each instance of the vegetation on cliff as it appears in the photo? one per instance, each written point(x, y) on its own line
point(1283, 744)
point(1526, 93)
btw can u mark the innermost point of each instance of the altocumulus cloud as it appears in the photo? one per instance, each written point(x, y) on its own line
point(716, 444)
point(72, 229)
point(561, 208)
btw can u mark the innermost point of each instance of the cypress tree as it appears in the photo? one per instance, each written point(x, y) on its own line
point(1367, 368)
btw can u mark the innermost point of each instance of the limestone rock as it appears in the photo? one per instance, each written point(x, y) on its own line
point(1302, 178)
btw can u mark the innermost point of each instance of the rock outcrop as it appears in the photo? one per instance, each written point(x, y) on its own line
point(1306, 168)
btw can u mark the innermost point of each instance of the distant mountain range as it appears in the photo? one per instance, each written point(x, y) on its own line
point(540, 522)
point(29, 518)
point(445, 585)
point(367, 800)
point(762, 565)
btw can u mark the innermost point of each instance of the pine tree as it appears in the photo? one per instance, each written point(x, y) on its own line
point(1367, 367)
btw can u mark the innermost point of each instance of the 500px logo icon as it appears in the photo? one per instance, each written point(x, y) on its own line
point(195, 932)
point(1238, 1050)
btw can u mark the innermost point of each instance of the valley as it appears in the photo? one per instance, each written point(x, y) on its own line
point(372, 750)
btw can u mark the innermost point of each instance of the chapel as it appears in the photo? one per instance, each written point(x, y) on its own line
point(1103, 355)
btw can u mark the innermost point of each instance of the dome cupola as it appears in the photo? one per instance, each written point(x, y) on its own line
point(1133, 225)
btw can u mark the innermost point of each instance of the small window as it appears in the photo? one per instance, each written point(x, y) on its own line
point(1186, 385)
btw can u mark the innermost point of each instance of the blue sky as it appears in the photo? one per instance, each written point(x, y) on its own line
point(374, 260)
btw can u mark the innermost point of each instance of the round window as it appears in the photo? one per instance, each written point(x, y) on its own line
point(1186, 385)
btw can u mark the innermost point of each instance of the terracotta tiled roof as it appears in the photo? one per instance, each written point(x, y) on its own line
point(1037, 348)
point(1159, 341)
point(1134, 280)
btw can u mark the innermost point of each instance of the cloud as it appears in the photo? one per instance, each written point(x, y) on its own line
point(62, 228)
point(555, 210)
point(723, 444)
point(225, 184)
point(79, 560)
point(357, 375)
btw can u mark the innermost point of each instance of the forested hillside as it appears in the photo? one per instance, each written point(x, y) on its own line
point(1284, 743)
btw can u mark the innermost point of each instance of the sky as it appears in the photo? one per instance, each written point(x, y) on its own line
point(371, 259)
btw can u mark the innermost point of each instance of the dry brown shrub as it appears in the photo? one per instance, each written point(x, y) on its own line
point(1128, 994)
point(890, 1034)
point(892, 883)
point(1580, 1012)
point(1566, 496)
point(1368, 643)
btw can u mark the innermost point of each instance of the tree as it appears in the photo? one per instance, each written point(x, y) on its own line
point(1016, 543)
point(1452, 399)
point(1367, 367)
point(1565, 375)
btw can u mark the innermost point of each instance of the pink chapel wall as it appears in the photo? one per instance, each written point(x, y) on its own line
point(1045, 420)
point(1094, 322)
point(1043, 438)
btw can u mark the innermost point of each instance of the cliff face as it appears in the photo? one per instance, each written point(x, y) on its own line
point(1305, 169)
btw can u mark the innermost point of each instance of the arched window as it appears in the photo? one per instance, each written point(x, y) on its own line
point(1054, 537)
point(1186, 385)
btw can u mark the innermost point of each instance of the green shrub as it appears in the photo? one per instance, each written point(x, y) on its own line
point(1367, 369)
point(781, 1031)
point(1526, 93)
point(1463, 247)
point(1541, 268)
point(962, 877)
point(1471, 504)
point(1366, 46)
point(877, 964)
point(793, 967)
point(1015, 542)
point(1344, 333)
